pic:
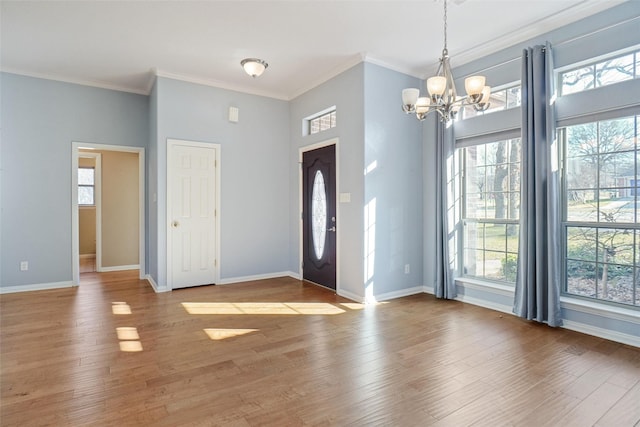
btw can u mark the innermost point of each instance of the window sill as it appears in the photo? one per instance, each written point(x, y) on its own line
point(481, 285)
point(599, 309)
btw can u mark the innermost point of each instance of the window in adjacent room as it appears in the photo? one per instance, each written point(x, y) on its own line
point(86, 186)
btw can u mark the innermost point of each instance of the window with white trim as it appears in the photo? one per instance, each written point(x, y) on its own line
point(600, 73)
point(321, 123)
point(600, 216)
point(491, 210)
point(86, 186)
point(503, 99)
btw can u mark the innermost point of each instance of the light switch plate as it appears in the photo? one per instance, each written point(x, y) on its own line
point(345, 197)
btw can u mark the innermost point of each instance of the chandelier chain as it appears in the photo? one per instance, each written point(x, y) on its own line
point(445, 25)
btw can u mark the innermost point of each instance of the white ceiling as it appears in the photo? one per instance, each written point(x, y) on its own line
point(122, 44)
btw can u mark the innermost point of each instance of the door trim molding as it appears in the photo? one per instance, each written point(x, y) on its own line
point(301, 151)
point(75, 232)
point(171, 142)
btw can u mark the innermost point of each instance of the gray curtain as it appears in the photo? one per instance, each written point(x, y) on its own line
point(537, 295)
point(445, 286)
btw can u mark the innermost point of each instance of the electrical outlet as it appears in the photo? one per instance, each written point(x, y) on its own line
point(407, 269)
point(24, 265)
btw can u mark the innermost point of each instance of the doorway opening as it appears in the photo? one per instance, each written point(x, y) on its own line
point(89, 210)
point(119, 206)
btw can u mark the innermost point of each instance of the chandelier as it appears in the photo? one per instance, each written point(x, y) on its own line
point(443, 97)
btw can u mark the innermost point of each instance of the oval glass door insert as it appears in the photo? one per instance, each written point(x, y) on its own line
point(318, 214)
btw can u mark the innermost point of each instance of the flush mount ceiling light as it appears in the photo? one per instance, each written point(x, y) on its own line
point(442, 91)
point(254, 66)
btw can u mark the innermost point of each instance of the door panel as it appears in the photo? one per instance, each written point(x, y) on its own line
point(192, 213)
point(319, 216)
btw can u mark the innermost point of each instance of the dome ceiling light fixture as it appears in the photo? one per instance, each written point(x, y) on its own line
point(254, 66)
point(442, 91)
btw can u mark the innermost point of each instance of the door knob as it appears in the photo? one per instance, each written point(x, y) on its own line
point(175, 224)
point(332, 229)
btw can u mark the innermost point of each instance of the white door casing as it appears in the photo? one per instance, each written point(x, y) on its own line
point(75, 250)
point(191, 213)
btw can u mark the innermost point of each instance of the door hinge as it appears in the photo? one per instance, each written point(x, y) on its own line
point(215, 262)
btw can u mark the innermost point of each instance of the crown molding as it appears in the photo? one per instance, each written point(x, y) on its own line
point(349, 63)
point(542, 26)
point(82, 82)
point(218, 84)
point(393, 67)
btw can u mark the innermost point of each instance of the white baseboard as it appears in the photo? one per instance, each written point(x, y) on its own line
point(294, 275)
point(119, 268)
point(350, 295)
point(566, 324)
point(485, 304)
point(35, 287)
point(399, 294)
point(602, 333)
point(154, 285)
point(239, 279)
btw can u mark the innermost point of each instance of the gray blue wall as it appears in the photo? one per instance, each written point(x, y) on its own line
point(370, 128)
point(254, 199)
point(40, 120)
point(346, 92)
point(394, 185)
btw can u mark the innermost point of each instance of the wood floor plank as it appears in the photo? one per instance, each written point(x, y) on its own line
point(625, 411)
point(281, 352)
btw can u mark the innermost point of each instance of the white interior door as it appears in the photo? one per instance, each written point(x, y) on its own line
point(192, 214)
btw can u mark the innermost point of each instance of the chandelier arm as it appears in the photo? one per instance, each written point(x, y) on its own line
point(442, 91)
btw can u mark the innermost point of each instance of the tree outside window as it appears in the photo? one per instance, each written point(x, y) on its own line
point(491, 210)
point(601, 210)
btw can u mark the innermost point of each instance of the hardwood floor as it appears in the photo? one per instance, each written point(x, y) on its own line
point(283, 353)
point(87, 264)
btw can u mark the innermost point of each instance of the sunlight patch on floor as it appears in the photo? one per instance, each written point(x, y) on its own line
point(128, 336)
point(220, 334)
point(120, 308)
point(127, 333)
point(130, 346)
